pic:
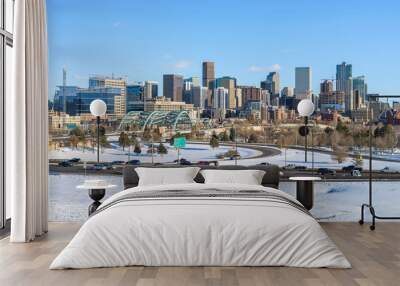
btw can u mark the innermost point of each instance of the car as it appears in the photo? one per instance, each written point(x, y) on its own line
point(235, 156)
point(355, 173)
point(74, 160)
point(351, 168)
point(183, 161)
point(289, 167)
point(65, 164)
point(385, 170)
point(133, 162)
point(99, 167)
point(118, 162)
point(265, 164)
point(300, 167)
point(207, 163)
point(326, 171)
point(389, 170)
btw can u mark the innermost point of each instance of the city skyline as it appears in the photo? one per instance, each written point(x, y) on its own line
point(87, 40)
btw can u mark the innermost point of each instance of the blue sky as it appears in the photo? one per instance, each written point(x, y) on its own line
point(246, 39)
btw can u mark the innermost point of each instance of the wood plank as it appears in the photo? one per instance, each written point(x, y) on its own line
point(375, 257)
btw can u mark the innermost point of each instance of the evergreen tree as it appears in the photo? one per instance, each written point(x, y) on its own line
point(214, 142)
point(162, 149)
point(232, 134)
point(137, 150)
point(123, 140)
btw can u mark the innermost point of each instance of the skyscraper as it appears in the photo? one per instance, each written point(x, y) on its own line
point(135, 97)
point(194, 80)
point(303, 84)
point(219, 104)
point(272, 83)
point(173, 87)
point(208, 75)
point(330, 100)
point(344, 83)
point(287, 91)
point(360, 86)
point(150, 89)
point(199, 96)
point(230, 84)
point(239, 98)
point(250, 93)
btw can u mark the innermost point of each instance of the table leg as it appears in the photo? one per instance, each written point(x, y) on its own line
point(305, 193)
point(96, 195)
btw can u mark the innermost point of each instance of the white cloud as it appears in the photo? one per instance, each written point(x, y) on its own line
point(261, 69)
point(182, 64)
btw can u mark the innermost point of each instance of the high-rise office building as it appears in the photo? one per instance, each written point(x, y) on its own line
point(221, 95)
point(135, 96)
point(209, 80)
point(188, 91)
point(194, 80)
point(120, 83)
point(85, 96)
point(344, 72)
point(199, 96)
point(250, 93)
point(239, 98)
point(344, 83)
point(65, 99)
point(173, 87)
point(287, 91)
point(150, 89)
point(360, 86)
point(271, 88)
point(208, 75)
point(272, 83)
point(326, 86)
point(303, 82)
point(330, 100)
point(230, 84)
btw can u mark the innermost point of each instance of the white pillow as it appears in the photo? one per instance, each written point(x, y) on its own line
point(166, 176)
point(248, 177)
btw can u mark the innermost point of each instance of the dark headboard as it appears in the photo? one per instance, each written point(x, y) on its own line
point(270, 179)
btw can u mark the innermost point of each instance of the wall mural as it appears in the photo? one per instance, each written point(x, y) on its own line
point(156, 98)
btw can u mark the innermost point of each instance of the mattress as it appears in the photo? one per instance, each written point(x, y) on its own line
point(201, 225)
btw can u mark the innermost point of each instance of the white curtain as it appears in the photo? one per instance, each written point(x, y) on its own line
point(27, 133)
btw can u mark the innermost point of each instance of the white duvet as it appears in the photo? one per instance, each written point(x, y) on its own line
point(211, 231)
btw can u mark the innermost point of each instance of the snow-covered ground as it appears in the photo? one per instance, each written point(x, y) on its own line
point(192, 152)
point(321, 160)
point(338, 201)
point(199, 152)
point(334, 201)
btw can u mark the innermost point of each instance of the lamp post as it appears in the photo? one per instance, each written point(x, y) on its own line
point(98, 108)
point(305, 109)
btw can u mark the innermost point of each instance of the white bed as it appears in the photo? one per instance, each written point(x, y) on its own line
point(200, 231)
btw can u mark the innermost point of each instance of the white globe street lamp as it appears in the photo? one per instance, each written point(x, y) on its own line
point(98, 108)
point(305, 108)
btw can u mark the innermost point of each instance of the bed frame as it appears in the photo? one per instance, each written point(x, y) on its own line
point(270, 179)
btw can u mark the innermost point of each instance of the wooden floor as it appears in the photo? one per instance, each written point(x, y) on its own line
point(375, 257)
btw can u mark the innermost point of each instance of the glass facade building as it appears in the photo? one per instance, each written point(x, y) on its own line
point(86, 96)
point(65, 99)
point(135, 97)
